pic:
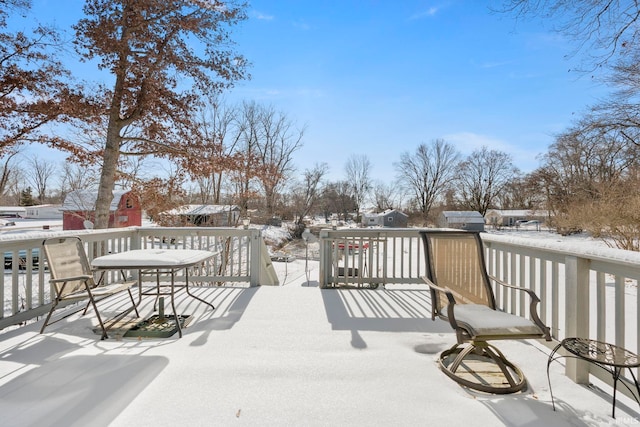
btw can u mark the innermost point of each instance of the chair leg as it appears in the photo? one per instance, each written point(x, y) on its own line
point(458, 363)
point(86, 308)
point(46, 321)
point(95, 308)
point(135, 306)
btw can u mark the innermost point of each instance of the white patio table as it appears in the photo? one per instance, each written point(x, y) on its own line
point(156, 261)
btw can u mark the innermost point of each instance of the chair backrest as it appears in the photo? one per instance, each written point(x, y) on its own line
point(455, 261)
point(66, 257)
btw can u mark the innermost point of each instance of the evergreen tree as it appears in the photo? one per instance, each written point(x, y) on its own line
point(26, 198)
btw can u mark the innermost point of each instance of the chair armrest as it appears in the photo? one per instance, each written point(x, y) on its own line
point(435, 302)
point(533, 306)
point(69, 279)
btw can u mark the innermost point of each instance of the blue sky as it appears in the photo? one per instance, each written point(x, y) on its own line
point(380, 77)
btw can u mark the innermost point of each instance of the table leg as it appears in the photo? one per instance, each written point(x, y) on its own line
point(173, 304)
point(186, 278)
point(615, 373)
point(551, 359)
point(635, 382)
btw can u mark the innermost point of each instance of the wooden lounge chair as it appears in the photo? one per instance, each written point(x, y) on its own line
point(461, 293)
point(72, 278)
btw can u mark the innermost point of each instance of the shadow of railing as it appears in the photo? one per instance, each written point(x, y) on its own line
point(383, 310)
point(230, 303)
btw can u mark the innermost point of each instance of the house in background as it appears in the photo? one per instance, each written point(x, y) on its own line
point(511, 217)
point(78, 210)
point(388, 218)
point(462, 220)
point(203, 215)
point(12, 211)
point(43, 212)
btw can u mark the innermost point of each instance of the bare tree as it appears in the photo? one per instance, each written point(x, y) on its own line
point(305, 195)
point(482, 177)
point(216, 128)
point(357, 169)
point(586, 165)
point(521, 193)
point(336, 198)
point(605, 29)
point(386, 196)
point(163, 56)
point(278, 140)
point(7, 171)
point(248, 138)
point(428, 173)
point(39, 174)
point(78, 177)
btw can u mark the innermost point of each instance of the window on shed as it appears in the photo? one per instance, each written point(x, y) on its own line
point(390, 219)
point(128, 203)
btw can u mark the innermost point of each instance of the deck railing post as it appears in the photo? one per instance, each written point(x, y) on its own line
point(136, 239)
point(577, 312)
point(255, 237)
point(325, 259)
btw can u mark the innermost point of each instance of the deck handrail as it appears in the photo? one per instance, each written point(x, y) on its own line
point(584, 292)
point(25, 291)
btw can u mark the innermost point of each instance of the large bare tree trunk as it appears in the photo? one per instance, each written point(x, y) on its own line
point(110, 158)
point(107, 181)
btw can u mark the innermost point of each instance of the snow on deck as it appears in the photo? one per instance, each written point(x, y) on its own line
point(290, 355)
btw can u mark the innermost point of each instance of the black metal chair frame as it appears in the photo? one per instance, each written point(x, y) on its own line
point(467, 282)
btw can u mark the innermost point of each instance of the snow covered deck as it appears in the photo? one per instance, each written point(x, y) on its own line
point(293, 354)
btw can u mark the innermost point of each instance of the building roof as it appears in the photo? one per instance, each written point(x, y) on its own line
point(517, 212)
point(43, 206)
point(471, 217)
point(384, 213)
point(462, 214)
point(82, 200)
point(202, 209)
point(12, 209)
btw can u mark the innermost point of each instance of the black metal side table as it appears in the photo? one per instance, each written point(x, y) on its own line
point(609, 357)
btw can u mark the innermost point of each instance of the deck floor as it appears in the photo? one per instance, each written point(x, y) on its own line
point(291, 355)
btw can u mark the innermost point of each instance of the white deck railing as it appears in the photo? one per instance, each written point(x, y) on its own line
point(240, 256)
point(583, 293)
point(370, 257)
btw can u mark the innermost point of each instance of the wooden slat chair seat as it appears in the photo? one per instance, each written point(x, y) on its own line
point(461, 294)
point(73, 280)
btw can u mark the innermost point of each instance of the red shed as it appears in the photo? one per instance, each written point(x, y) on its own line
point(78, 210)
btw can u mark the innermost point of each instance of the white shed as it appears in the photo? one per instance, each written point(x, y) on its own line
point(43, 212)
point(463, 220)
point(206, 215)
